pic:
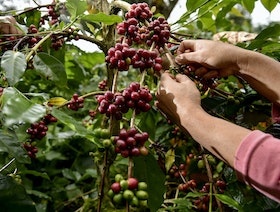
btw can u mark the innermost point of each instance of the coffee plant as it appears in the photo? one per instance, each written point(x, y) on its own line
point(79, 130)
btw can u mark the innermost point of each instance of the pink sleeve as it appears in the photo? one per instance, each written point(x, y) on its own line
point(257, 163)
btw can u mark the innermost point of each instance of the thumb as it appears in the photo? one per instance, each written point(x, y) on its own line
point(188, 57)
point(182, 78)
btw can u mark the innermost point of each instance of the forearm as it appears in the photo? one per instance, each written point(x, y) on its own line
point(218, 136)
point(262, 73)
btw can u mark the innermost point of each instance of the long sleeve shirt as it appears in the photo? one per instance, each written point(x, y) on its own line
point(257, 161)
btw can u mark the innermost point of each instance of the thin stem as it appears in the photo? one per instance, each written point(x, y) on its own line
point(102, 183)
point(34, 49)
point(210, 177)
point(9, 163)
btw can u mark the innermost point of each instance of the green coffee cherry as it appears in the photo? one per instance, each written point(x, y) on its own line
point(142, 195)
point(142, 186)
point(128, 194)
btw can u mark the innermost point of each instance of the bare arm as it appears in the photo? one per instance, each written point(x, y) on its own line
point(220, 137)
point(9, 25)
point(218, 59)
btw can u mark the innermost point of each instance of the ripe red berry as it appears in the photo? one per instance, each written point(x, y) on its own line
point(116, 187)
point(132, 183)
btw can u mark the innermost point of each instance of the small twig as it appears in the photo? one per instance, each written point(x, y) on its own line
point(101, 187)
point(210, 177)
point(9, 163)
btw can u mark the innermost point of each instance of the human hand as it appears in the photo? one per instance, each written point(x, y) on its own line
point(209, 59)
point(177, 97)
point(8, 25)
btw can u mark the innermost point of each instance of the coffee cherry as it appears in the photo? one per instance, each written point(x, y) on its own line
point(124, 184)
point(116, 187)
point(142, 186)
point(142, 195)
point(76, 102)
point(118, 198)
point(107, 143)
point(118, 177)
point(132, 183)
point(128, 194)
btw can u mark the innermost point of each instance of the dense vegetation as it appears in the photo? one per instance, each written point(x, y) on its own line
point(79, 130)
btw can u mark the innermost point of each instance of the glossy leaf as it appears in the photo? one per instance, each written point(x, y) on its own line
point(74, 125)
point(269, 32)
point(193, 5)
point(249, 5)
point(103, 18)
point(229, 201)
point(13, 64)
point(147, 170)
point(269, 4)
point(169, 159)
point(57, 101)
point(10, 143)
point(17, 109)
point(76, 7)
point(50, 68)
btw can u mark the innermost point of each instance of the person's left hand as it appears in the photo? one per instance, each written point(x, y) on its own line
point(9, 25)
point(177, 97)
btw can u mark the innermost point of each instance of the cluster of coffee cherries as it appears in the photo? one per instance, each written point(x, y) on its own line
point(202, 83)
point(128, 190)
point(33, 40)
point(178, 171)
point(39, 129)
point(53, 13)
point(102, 85)
point(159, 32)
point(190, 184)
point(140, 11)
point(76, 102)
point(31, 149)
point(130, 142)
point(122, 56)
point(139, 28)
point(116, 104)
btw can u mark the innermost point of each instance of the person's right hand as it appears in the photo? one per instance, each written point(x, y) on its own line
point(210, 59)
point(8, 25)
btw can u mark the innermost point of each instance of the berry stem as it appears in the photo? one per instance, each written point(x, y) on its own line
point(34, 49)
point(210, 177)
point(101, 187)
point(170, 57)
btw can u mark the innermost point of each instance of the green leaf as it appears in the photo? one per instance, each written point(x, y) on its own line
point(13, 196)
point(249, 5)
point(147, 169)
point(193, 5)
point(74, 125)
point(169, 158)
point(10, 143)
point(269, 4)
point(50, 68)
point(18, 109)
point(43, 175)
point(76, 7)
point(101, 17)
point(269, 32)
point(13, 64)
point(229, 201)
point(195, 194)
